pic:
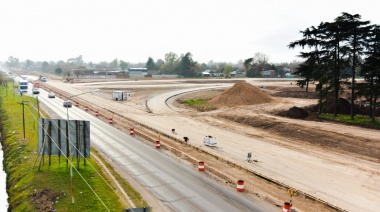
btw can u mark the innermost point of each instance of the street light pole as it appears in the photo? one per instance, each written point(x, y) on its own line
point(70, 143)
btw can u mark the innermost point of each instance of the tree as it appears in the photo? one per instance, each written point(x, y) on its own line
point(253, 66)
point(76, 62)
point(371, 70)
point(150, 65)
point(114, 64)
point(171, 63)
point(123, 65)
point(44, 67)
point(58, 71)
point(12, 62)
point(227, 71)
point(28, 64)
point(204, 67)
point(356, 31)
point(159, 63)
point(187, 67)
point(248, 67)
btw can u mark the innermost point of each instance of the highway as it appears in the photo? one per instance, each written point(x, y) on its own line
point(179, 187)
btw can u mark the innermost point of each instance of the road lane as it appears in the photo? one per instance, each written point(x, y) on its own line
point(178, 186)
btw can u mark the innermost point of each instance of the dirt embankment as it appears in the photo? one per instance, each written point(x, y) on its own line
point(318, 138)
point(242, 93)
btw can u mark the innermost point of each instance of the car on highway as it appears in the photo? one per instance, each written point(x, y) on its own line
point(36, 90)
point(67, 103)
point(51, 95)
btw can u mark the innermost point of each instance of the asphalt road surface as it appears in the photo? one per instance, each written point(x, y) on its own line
point(179, 187)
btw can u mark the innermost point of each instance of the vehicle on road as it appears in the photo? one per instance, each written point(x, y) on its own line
point(51, 95)
point(43, 79)
point(36, 90)
point(208, 140)
point(67, 103)
point(23, 85)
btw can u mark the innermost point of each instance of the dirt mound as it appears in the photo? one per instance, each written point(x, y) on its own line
point(242, 93)
point(295, 112)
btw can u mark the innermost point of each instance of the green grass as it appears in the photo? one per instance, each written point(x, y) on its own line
point(359, 120)
point(23, 177)
point(199, 104)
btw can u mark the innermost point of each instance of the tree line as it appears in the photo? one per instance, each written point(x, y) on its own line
point(174, 64)
point(339, 50)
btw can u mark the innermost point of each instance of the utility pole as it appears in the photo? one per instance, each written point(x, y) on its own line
point(23, 116)
point(70, 155)
point(38, 108)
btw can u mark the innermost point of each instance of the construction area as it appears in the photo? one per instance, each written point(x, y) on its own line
point(267, 135)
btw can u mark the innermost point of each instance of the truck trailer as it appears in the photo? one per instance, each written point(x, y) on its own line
point(121, 95)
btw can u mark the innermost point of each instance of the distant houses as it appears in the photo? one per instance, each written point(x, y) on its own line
point(99, 73)
point(268, 73)
point(137, 72)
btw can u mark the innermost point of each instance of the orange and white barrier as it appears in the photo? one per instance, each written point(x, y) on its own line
point(158, 145)
point(131, 131)
point(240, 186)
point(287, 207)
point(201, 166)
point(110, 121)
point(77, 104)
point(86, 108)
point(97, 113)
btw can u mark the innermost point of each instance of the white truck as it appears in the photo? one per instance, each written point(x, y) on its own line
point(121, 95)
point(208, 140)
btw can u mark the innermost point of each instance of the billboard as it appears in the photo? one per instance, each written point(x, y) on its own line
point(55, 135)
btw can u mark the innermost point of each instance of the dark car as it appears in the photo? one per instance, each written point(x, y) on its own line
point(67, 103)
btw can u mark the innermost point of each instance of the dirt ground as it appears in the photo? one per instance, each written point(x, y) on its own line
point(298, 134)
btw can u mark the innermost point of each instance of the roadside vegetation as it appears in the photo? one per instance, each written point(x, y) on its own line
point(199, 104)
point(44, 185)
point(360, 120)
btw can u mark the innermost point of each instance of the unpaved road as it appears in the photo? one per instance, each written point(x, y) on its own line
point(349, 181)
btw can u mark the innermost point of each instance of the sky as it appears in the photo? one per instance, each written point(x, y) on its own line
point(134, 30)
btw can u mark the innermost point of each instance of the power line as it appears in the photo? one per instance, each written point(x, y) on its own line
point(78, 170)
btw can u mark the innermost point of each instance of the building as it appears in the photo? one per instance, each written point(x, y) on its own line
point(269, 73)
point(137, 72)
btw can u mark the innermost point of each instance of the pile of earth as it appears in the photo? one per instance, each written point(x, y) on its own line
point(295, 112)
point(242, 93)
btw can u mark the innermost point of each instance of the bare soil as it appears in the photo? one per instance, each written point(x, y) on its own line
point(44, 199)
point(268, 126)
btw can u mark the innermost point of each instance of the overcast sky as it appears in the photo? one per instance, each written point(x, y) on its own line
point(133, 30)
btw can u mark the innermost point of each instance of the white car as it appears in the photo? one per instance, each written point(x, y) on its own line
point(51, 95)
point(36, 90)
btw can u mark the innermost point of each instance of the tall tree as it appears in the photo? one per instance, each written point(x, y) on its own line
point(28, 64)
point(12, 62)
point(187, 66)
point(370, 69)
point(159, 63)
point(58, 71)
point(171, 63)
point(356, 31)
point(123, 65)
point(44, 67)
point(150, 65)
point(227, 71)
point(114, 64)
